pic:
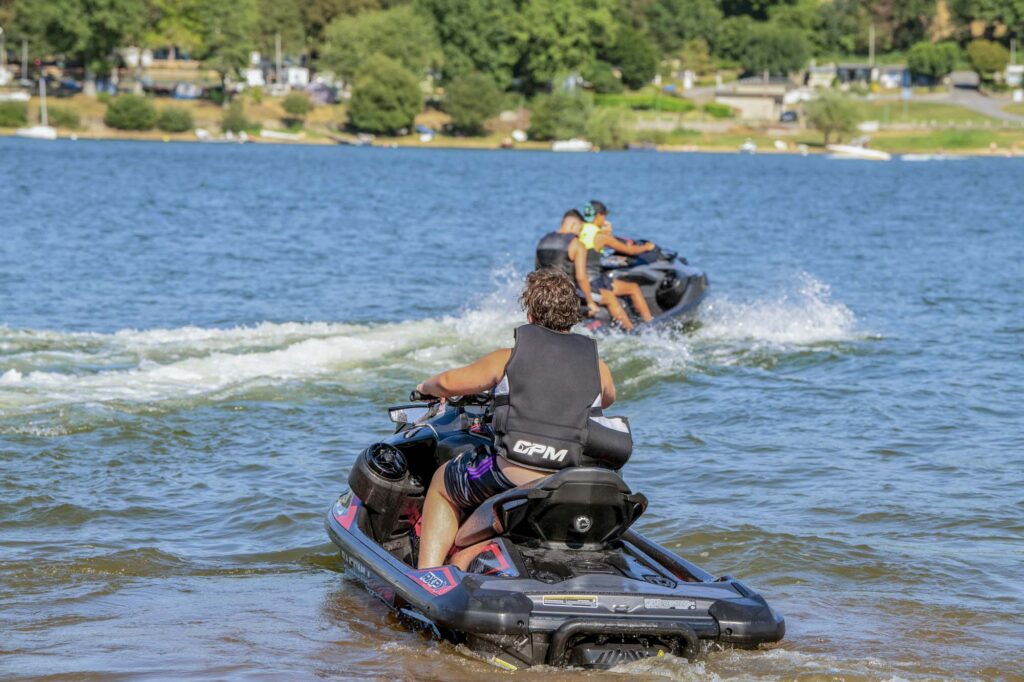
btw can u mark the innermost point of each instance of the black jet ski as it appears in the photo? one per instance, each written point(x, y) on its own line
point(563, 581)
point(671, 286)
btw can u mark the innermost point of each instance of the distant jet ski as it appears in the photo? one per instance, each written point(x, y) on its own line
point(673, 288)
point(563, 579)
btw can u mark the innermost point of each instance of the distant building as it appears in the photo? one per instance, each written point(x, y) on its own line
point(892, 77)
point(756, 99)
point(849, 74)
point(820, 76)
point(1014, 76)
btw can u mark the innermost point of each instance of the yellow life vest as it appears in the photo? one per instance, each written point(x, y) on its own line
point(588, 235)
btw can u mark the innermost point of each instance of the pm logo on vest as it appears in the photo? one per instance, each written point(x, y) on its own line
point(525, 447)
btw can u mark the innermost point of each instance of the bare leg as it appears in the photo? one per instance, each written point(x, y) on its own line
point(632, 289)
point(618, 313)
point(464, 557)
point(440, 523)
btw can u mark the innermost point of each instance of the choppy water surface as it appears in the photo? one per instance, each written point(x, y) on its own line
point(196, 341)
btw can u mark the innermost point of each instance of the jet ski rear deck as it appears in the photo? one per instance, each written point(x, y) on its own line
point(563, 580)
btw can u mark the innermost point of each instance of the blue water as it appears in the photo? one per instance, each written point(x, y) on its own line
point(196, 340)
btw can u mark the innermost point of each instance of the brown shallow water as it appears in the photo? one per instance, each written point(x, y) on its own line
point(192, 352)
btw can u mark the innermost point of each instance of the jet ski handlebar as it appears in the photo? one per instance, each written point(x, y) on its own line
point(483, 398)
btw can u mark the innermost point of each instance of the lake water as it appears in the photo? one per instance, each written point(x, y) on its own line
point(195, 341)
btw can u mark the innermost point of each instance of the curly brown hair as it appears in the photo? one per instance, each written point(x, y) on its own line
point(550, 300)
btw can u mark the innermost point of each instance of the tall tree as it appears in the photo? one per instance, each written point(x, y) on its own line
point(635, 56)
point(226, 31)
point(317, 14)
point(172, 24)
point(675, 22)
point(284, 18)
point(85, 31)
point(775, 50)
point(478, 35)
point(564, 36)
point(403, 34)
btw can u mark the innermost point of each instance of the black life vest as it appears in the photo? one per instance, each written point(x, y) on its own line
point(547, 408)
point(553, 252)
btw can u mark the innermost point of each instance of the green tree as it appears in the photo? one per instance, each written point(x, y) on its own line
point(318, 14)
point(933, 60)
point(385, 98)
point(608, 127)
point(996, 13)
point(602, 78)
point(832, 114)
point(635, 56)
point(172, 23)
point(732, 38)
point(987, 59)
point(842, 27)
point(226, 32)
point(403, 34)
point(756, 9)
point(559, 116)
point(674, 22)
point(234, 119)
point(564, 36)
point(775, 50)
point(478, 35)
point(470, 100)
point(86, 31)
point(696, 56)
point(130, 112)
point(282, 17)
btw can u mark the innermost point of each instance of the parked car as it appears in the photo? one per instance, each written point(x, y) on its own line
point(788, 117)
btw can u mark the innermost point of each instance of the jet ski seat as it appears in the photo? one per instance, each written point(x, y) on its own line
point(580, 507)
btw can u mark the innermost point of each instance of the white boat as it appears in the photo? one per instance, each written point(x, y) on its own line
point(43, 131)
point(857, 149)
point(748, 147)
point(932, 157)
point(573, 145)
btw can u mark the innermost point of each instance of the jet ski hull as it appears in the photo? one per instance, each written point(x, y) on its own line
point(672, 288)
point(597, 609)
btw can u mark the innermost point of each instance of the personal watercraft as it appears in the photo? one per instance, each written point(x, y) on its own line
point(671, 286)
point(562, 580)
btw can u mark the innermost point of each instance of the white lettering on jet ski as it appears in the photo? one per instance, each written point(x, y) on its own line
point(525, 447)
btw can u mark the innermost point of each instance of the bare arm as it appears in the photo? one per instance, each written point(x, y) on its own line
point(482, 375)
point(622, 247)
point(578, 255)
point(607, 386)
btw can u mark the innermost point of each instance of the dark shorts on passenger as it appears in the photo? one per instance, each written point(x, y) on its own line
point(474, 476)
point(602, 282)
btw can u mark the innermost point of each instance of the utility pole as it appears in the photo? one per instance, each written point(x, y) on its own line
point(1013, 50)
point(3, 52)
point(24, 59)
point(277, 57)
point(871, 45)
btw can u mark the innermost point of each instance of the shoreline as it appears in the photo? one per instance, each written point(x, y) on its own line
point(324, 139)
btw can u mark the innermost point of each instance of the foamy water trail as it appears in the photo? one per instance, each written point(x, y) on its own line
point(45, 369)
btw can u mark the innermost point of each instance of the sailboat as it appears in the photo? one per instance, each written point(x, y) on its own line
point(42, 131)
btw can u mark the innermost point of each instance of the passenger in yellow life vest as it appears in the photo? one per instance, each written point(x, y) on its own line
point(595, 235)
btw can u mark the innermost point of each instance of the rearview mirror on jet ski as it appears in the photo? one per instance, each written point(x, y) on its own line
point(410, 414)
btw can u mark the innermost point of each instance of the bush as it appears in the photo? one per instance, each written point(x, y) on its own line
point(933, 60)
point(130, 112)
point(987, 59)
point(602, 78)
point(62, 117)
point(13, 114)
point(559, 116)
point(832, 114)
point(470, 100)
point(234, 119)
point(718, 110)
point(647, 101)
point(385, 98)
point(609, 128)
point(104, 97)
point(175, 120)
point(297, 105)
